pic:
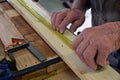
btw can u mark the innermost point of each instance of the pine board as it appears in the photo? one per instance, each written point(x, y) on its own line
point(65, 75)
point(64, 51)
point(23, 28)
point(7, 30)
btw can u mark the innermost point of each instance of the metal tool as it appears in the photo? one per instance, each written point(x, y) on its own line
point(43, 20)
point(18, 44)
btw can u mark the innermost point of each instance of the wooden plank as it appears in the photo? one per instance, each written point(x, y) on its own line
point(9, 31)
point(5, 6)
point(65, 75)
point(49, 71)
point(24, 28)
point(33, 37)
point(41, 11)
point(30, 34)
point(63, 50)
point(11, 13)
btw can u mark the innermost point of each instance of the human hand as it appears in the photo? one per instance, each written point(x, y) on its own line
point(97, 42)
point(61, 19)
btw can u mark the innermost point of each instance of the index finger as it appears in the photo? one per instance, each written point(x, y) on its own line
point(89, 55)
point(67, 20)
point(53, 19)
point(77, 41)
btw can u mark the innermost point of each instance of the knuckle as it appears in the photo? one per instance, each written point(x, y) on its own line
point(93, 42)
point(78, 51)
point(67, 18)
point(86, 56)
point(60, 15)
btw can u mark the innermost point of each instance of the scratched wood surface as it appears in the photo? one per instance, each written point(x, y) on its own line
point(27, 60)
point(71, 59)
point(23, 57)
point(7, 30)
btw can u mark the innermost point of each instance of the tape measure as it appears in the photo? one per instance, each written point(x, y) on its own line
point(43, 20)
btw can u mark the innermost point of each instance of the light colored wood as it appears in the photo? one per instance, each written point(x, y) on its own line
point(58, 67)
point(65, 75)
point(29, 34)
point(7, 30)
point(29, 60)
point(11, 13)
point(42, 73)
point(64, 51)
point(25, 59)
point(49, 72)
point(40, 10)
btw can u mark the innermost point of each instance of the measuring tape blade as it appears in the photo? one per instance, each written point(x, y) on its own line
point(44, 21)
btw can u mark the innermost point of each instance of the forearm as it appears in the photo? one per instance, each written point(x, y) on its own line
point(80, 4)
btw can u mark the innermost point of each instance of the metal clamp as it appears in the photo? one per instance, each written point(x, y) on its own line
point(21, 44)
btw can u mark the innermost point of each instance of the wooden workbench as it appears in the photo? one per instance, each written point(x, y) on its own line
point(25, 61)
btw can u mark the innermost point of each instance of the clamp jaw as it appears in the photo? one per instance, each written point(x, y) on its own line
point(18, 44)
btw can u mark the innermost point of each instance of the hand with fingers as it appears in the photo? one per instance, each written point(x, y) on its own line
point(97, 42)
point(61, 19)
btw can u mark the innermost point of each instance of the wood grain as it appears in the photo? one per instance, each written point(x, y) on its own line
point(65, 75)
point(29, 60)
point(7, 30)
point(24, 29)
point(64, 51)
point(41, 11)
